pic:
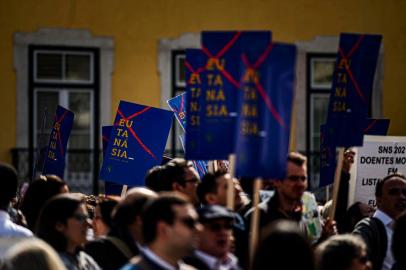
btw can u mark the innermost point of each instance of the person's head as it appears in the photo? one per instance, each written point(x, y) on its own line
point(283, 247)
point(63, 222)
point(170, 224)
point(342, 252)
point(215, 238)
point(213, 188)
point(295, 183)
point(399, 241)
point(390, 194)
point(180, 175)
point(154, 179)
point(102, 214)
point(32, 254)
point(126, 216)
point(38, 192)
point(355, 213)
point(9, 185)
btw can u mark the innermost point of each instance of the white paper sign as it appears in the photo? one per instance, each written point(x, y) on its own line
point(379, 157)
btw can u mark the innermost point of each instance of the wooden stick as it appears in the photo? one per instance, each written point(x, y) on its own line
point(254, 220)
point(230, 182)
point(337, 178)
point(124, 191)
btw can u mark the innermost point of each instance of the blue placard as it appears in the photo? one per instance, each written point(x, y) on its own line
point(201, 166)
point(110, 188)
point(55, 157)
point(377, 127)
point(217, 102)
point(265, 102)
point(178, 106)
point(352, 86)
point(138, 141)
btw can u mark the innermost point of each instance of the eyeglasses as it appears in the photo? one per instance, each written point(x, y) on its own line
point(192, 181)
point(80, 217)
point(216, 227)
point(397, 192)
point(297, 177)
point(189, 222)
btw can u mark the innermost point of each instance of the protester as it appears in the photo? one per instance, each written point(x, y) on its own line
point(283, 246)
point(124, 240)
point(342, 252)
point(399, 243)
point(180, 175)
point(390, 194)
point(32, 254)
point(102, 220)
point(170, 228)
point(63, 223)
point(213, 191)
point(38, 192)
point(213, 251)
point(354, 214)
point(8, 190)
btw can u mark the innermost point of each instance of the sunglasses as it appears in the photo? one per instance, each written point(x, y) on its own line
point(80, 217)
point(216, 227)
point(189, 222)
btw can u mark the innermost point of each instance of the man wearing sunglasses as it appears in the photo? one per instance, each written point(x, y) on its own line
point(170, 228)
point(390, 194)
point(214, 245)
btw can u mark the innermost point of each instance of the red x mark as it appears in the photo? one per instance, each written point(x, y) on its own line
point(58, 131)
point(146, 149)
point(370, 126)
point(259, 87)
point(198, 166)
point(346, 59)
point(220, 54)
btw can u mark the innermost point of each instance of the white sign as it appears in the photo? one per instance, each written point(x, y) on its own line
point(379, 157)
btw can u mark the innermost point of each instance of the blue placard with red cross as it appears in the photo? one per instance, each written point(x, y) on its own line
point(178, 106)
point(55, 157)
point(377, 127)
point(352, 87)
point(110, 188)
point(219, 84)
point(265, 109)
point(137, 142)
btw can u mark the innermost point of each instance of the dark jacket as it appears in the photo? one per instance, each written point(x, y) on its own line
point(373, 232)
point(143, 263)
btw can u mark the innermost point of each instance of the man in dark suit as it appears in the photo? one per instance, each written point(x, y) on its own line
point(170, 227)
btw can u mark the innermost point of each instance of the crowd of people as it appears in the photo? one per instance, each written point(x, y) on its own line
point(179, 221)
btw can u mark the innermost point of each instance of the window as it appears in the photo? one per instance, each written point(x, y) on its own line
point(66, 77)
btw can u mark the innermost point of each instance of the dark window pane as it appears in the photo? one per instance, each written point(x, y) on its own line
point(49, 66)
point(78, 67)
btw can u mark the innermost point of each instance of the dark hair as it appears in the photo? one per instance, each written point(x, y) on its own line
point(279, 241)
point(209, 184)
point(38, 192)
point(107, 204)
point(351, 218)
point(57, 210)
point(9, 185)
point(125, 213)
point(337, 252)
point(174, 172)
point(399, 241)
point(297, 158)
point(160, 209)
point(381, 183)
point(154, 179)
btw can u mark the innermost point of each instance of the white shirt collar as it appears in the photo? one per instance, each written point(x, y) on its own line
point(153, 257)
point(213, 262)
point(382, 216)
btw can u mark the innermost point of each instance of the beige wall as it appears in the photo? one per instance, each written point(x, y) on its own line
point(136, 27)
